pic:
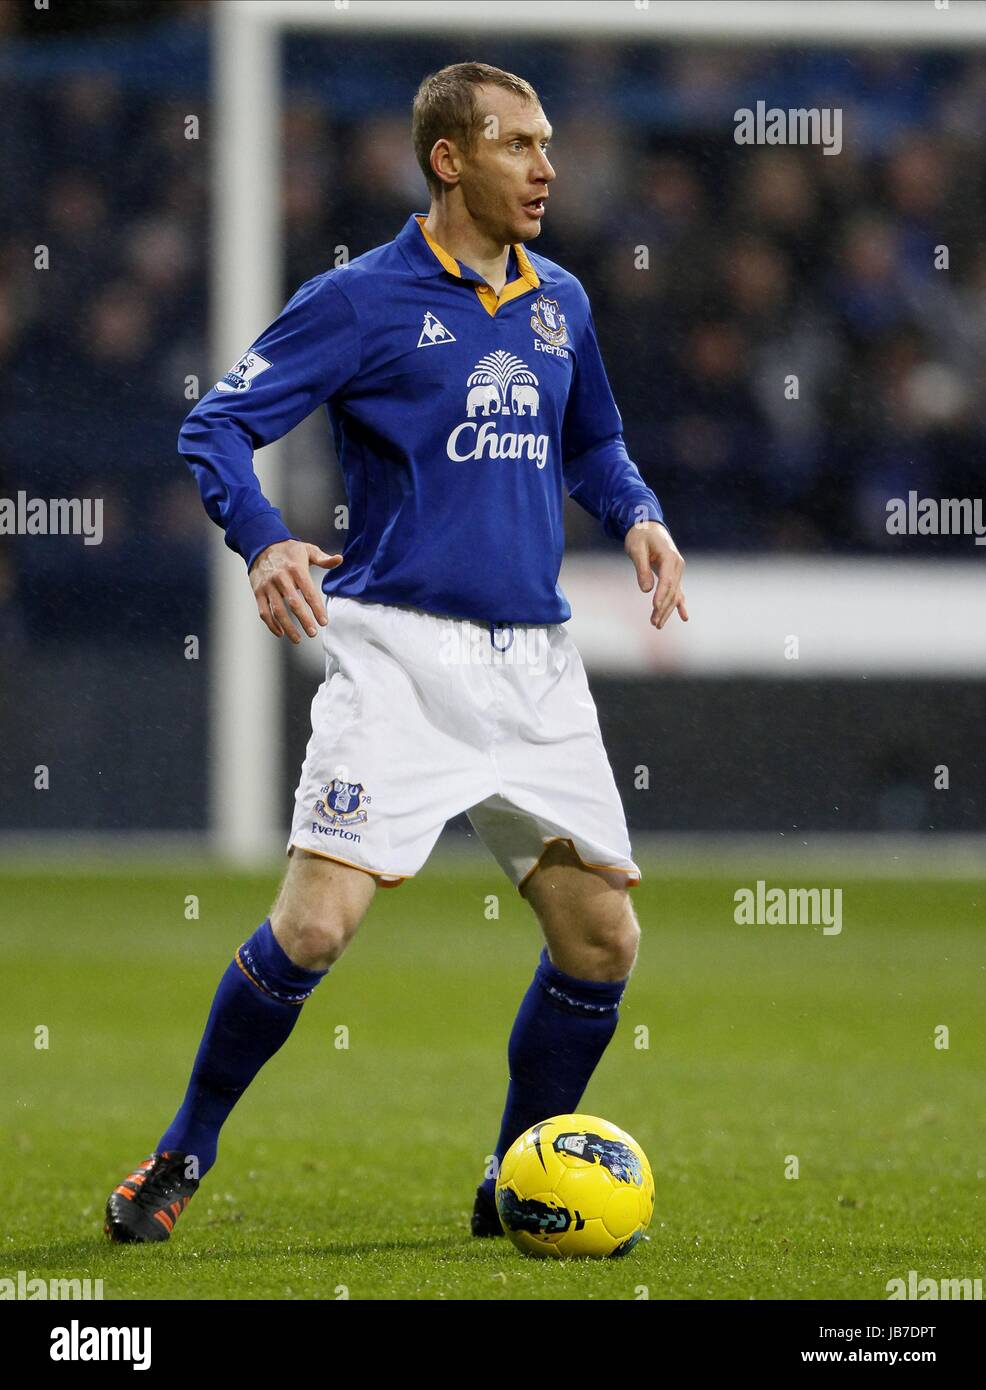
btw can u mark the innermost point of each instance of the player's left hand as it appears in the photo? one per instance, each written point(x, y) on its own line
point(652, 551)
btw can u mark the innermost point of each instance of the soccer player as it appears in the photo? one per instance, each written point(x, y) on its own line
point(466, 394)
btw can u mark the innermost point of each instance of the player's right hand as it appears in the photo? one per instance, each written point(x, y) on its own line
point(282, 586)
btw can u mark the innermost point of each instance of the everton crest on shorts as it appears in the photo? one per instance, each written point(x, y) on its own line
point(442, 716)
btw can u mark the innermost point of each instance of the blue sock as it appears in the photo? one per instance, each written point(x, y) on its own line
point(257, 1004)
point(561, 1031)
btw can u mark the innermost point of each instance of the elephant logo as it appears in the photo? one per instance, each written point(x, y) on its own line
point(485, 399)
point(501, 384)
point(524, 396)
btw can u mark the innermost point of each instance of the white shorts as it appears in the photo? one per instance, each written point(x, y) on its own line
point(422, 717)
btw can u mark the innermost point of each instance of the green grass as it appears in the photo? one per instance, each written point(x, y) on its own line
point(355, 1168)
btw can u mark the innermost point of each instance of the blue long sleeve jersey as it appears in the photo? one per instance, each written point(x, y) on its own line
point(459, 418)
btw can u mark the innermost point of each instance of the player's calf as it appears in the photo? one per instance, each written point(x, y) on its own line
point(253, 1013)
point(570, 1012)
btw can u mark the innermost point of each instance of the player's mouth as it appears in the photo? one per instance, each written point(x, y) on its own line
point(535, 208)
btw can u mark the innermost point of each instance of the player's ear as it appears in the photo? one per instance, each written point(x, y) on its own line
point(445, 162)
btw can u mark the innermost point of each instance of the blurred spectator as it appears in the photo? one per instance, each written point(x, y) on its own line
point(719, 275)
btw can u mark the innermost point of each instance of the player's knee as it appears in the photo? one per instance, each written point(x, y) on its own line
point(313, 939)
point(606, 942)
point(619, 945)
point(319, 906)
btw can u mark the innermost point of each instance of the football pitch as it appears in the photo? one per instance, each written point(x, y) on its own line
point(744, 1053)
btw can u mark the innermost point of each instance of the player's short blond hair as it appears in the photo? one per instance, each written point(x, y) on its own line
point(445, 108)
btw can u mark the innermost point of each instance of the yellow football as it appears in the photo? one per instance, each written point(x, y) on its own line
point(575, 1185)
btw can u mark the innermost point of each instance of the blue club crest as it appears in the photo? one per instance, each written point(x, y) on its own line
point(341, 802)
point(548, 321)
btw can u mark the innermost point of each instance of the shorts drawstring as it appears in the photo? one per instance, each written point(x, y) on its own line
point(506, 627)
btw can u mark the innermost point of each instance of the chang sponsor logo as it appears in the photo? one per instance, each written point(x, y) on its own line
point(500, 387)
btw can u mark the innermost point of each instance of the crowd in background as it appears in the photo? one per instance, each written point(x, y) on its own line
point(717, 273)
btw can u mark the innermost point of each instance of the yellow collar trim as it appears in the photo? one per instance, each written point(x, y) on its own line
point(527, 279)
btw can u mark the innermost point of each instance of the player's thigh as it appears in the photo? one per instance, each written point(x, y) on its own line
point(585, 914)
point(319, 906)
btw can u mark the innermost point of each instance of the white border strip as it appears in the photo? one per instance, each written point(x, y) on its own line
point(854, 618)
point(890, 22)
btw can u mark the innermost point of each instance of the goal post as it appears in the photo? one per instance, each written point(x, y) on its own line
point(246, 667)
point(247, 675)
